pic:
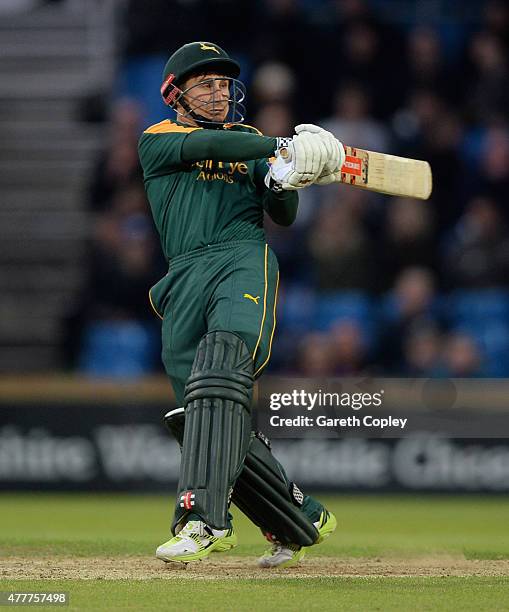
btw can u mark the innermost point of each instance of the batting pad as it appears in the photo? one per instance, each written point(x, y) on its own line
point(217, 427)
point(269, 500)
point(262, 491)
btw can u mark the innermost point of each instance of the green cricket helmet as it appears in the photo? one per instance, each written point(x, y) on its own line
point(196, 58)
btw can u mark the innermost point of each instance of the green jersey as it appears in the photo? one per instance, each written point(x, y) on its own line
point(207, 186)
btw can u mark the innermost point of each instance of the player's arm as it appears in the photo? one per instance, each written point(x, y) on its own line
point(173, 148)
point(228, 146)
point(169, 148)
point(232, 146)
point(306, 154)
point(280, 205)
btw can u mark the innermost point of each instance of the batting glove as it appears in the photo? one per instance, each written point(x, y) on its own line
point(331, 172)
point(298, 163)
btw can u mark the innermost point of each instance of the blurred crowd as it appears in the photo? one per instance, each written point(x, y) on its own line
point(370, 284)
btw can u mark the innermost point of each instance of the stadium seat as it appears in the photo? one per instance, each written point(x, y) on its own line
point(296, 308)
point(389, 309)
point(478, 308)
point(119, 349)
point(493, 341)
point(343, 305)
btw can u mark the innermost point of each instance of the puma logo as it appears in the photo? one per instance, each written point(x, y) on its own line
point(250, 297)
point(205, 47)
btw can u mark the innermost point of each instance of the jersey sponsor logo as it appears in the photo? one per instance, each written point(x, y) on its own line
point(205, 47)
point(250, 297)
point(220, 171)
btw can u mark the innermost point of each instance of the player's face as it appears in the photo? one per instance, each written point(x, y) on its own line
point(208, 95)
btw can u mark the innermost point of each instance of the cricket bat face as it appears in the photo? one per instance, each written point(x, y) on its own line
point(386, 173)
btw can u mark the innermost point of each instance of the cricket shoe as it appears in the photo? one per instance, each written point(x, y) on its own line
point(282, 555)
point(196, 541)
point(326, 525)
point(288, 555)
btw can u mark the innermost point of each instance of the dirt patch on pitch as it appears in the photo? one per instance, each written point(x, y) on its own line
point(143, 568)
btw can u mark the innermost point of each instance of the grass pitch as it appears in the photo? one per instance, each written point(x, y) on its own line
point(389, 553)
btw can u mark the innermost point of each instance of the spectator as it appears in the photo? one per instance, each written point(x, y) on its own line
point(461, 357)
point(341, 250)
point(315, 356)
point(426, 128)
point(488, 94)
point(279, 24)
point(408, 240)
point(118, 165)
point(273, 82)
point(124, 268)
point(408, 306)
point(349, 352)
point(421, 351)
point(496, 19)
point(493, 177)
point(274, 119)
point(426, 68)
point(351, 122)
point(341, 352)
point(477, 252)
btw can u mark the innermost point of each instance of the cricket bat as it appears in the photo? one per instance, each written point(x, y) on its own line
point(385, 173)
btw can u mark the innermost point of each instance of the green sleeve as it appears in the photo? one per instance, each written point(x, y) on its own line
point(228, 146)
point(161, 153)
point(281, 207)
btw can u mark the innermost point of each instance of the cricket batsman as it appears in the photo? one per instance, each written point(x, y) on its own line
point(209, 180)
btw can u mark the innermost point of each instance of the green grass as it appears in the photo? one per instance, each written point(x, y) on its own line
point(368, 526)
point(379, 526)
point(297, 595)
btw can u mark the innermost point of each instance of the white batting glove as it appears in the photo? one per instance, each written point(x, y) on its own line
point(299, 162)
point(335, 153)
point(279, 170)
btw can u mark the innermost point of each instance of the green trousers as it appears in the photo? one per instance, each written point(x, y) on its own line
point(230, 287)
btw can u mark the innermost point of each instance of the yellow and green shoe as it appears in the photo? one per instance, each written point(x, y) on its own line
point(196, 541)
point(288, 555)
point(282, 555)
point(326, 525)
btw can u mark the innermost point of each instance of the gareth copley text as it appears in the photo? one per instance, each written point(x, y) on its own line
point(319, 399)
point(351, 421)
